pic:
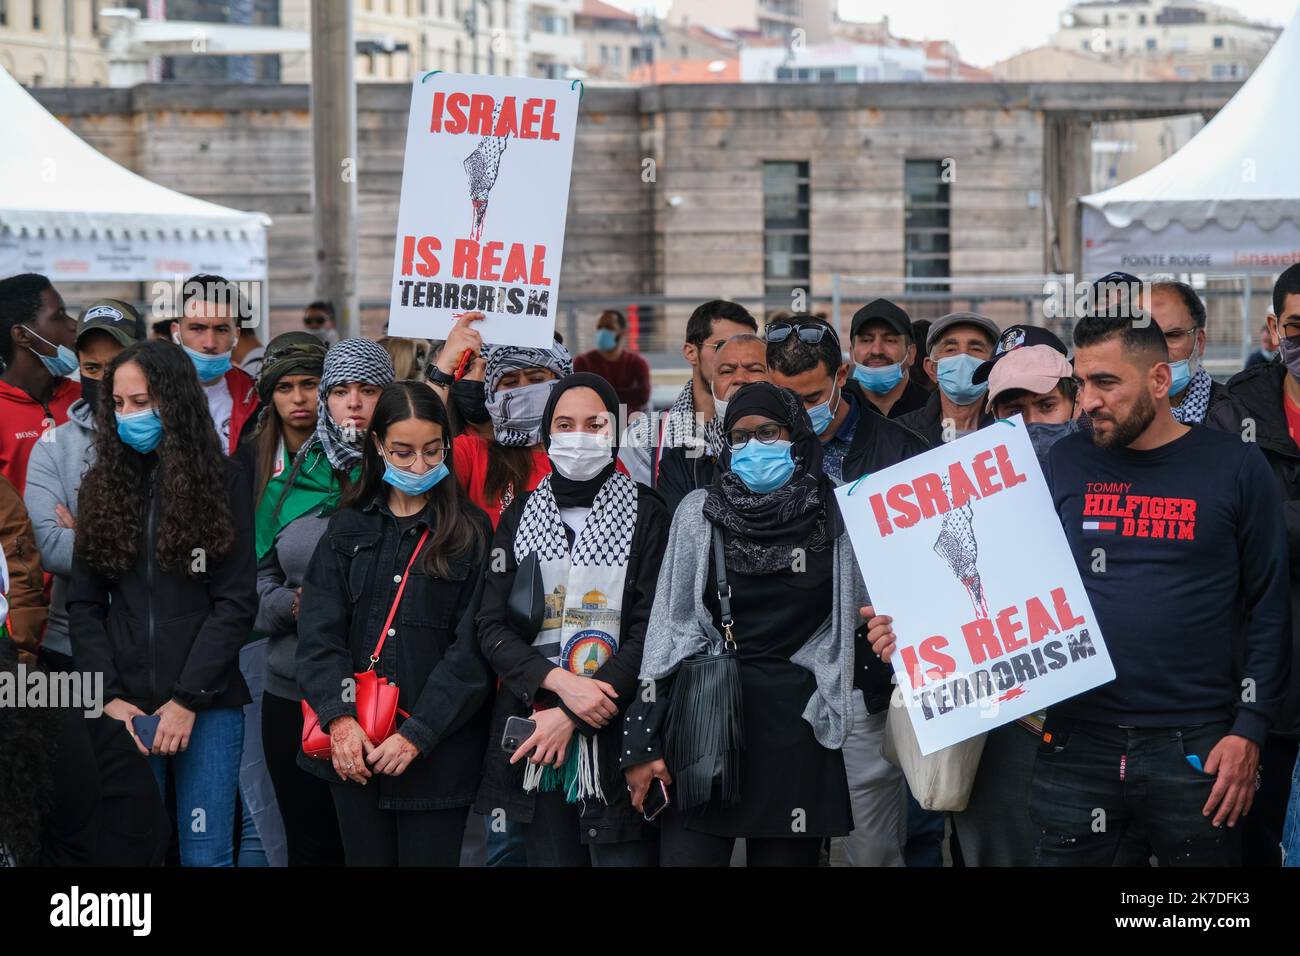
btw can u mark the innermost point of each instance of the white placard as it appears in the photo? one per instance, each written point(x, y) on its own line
point(962, 547)
point(485, 189)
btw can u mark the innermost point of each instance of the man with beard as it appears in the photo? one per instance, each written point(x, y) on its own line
point(1175, 532)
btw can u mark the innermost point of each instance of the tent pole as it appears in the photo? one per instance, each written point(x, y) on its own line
point(334, 159)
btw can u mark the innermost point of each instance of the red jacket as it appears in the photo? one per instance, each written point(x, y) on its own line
point(23, 420)
point(243, 390)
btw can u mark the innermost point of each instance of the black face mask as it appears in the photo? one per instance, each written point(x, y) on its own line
point(90, 391)
point(471, 401)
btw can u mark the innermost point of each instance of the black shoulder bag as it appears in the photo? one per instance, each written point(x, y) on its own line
point(705, 731)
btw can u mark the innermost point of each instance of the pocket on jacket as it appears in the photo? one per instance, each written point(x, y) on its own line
point(355, 553)
point(429, 601)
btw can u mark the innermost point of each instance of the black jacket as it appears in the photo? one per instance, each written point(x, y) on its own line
point(914, 396)
point(878, 443)
point(162, 635)
point(1255, 395)
point(681, 471)
point(928, 420)
point(522, 671)
point(432, 655)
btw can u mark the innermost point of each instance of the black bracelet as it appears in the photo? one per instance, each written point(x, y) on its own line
point(439, 377)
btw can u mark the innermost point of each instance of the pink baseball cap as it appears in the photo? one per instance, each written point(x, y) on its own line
point(1035, 368)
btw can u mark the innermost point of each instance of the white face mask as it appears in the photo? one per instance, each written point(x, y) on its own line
point(579, 456)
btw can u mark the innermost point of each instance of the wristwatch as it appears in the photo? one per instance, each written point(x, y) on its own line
point(439, 377)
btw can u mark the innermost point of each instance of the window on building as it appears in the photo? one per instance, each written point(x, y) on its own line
point(4, 13)
point(786, 259)
point(1142, 19)
point(94, 18)
point(1218, 43)
point(458, 57)
point(36, 14)
point(1151, 43)
point(926, 224)
point(604, 54)
point(618, 56)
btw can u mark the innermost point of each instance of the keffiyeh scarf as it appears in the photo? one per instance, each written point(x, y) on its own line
point(517, 414)
point(583, 588)
point(1196, 402)
point(351, 360)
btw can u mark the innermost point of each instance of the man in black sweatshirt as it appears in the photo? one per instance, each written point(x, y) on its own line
point(1177, 533)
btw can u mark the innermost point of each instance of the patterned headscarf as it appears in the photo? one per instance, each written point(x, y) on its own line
point(517, 413)
point(351, 360)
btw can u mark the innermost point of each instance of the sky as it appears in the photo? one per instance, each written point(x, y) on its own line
point(986, 31)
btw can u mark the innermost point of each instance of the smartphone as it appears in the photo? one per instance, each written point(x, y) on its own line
point(146, 726)
point(656, 800)
point(518, 729)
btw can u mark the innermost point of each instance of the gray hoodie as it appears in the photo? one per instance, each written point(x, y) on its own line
point(53, 477)
point(680, 625)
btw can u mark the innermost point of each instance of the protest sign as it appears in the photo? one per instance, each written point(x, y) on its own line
point(485, 189)
point(962, 547)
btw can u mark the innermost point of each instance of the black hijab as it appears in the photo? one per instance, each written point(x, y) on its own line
point(762, 530)
point(580, 494)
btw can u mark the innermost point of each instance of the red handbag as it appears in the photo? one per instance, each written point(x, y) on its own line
point(376, 698)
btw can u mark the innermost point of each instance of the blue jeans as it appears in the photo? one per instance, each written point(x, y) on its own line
point(261, 834)
point(1091, 781)
point(206, 776)
point(1291, 832)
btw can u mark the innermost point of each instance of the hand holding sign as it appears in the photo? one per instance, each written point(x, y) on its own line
point(963, 546)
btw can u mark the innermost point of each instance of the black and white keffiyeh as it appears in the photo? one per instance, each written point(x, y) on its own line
point(517, 414)
point(1196, 402)
point(351, 360)
point(681, 427)
point(583, 587)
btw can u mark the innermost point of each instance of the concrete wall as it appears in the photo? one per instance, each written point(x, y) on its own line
point(249, 147)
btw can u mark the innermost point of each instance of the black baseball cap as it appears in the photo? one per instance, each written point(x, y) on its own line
point(117, 318)
point(1014, 337)
point(882, 310)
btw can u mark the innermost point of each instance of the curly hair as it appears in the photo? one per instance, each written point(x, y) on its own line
point(29, 739)
point(189, 474)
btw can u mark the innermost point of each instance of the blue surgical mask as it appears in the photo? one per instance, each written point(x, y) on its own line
point(1043, 435)
point(62, 362)
point(411, 483)
point(1183, 372)
point(955, 374)
point(606, 340)
point(822, 415)
point(879, 380)
point(209, 367)
point(140, 430)
point(761, 467)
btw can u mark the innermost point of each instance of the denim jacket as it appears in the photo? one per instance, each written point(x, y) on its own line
point(431, 652)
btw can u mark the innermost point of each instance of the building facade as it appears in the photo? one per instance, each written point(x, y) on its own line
point(38, 47)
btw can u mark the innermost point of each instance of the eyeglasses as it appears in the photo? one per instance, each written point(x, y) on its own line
point(407, 458)
point(810, 332)
point(767, 434)
point(1174, 337)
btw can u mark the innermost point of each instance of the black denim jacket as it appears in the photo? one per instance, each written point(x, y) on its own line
point(432, 653)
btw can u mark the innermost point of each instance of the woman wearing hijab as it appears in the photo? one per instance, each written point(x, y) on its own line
point(749, 741)
point(301, 491)
point(517, 385)
point(596, 539)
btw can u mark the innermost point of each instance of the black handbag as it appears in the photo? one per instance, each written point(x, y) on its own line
point(705, 726)
point(526, 604)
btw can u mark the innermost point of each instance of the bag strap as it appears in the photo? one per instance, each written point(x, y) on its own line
point(724, 589)
point(392, 611)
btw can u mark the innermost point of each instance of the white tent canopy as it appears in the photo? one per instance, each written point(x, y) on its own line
point(71, 213)
point(1228, 201)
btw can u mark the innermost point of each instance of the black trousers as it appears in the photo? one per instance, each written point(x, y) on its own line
point(1261, 831)
point(134, 828)
point(679, 846)
point(311, 826)
point(375, 837)
point(554, 838)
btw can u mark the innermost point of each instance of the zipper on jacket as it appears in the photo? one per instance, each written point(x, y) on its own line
point(148, 574)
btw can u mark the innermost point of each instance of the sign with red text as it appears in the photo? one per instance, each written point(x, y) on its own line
point(485, 189)
point(962, 547)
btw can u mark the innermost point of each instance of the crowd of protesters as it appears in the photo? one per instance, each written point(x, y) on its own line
point(402, 602)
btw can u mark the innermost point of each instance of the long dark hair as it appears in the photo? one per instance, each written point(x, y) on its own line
point(190, 474)
point(29, 750)
point(508, 467)
point(454, 532)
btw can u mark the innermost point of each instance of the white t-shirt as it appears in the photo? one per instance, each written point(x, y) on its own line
point(575, 518)
point(220, 406)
